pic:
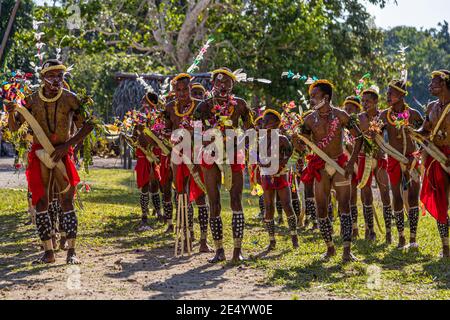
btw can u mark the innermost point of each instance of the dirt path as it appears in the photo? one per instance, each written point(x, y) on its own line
point(111, 273)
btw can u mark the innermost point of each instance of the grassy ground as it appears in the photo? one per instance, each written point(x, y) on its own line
point(111, 215)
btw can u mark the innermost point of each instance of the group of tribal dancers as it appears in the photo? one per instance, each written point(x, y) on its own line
point(330, 149)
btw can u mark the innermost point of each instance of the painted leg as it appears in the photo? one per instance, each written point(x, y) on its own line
point(144, 202)
point(270, 228)
point(292, 223)
point(400, 222)
point(203, 218)
point(354, 214)
point(217, 233)
point(387, 215)
point(168, 216)
point(71, 227)
point(369, 220)
point(327, 236)
point(238, 226)
point(44, 229)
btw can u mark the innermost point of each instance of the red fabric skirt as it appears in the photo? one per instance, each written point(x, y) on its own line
point(146, 170)
point(34, 177)
point(394, 170)
point(274, 183)
point(381, 164)
point(182, 173)
point(315, 165)
point(433, 195)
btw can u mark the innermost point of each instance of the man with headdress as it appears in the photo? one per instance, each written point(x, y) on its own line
point(54, 109)
point(373, 163)
point(396, 119)
point(179, 115)
point(151, 176)
point(224, 111)
point(352, 105)
point(197, 91)
point(325, 127)
point(436, 182)
point(278, 183)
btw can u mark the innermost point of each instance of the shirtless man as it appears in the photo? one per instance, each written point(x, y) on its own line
point(223, 104)
point(370, 117)
point(395, 119)
point(54, 108)
point(436, 182)
point(352, 105)
point(149, 175)
point(180, 116)
point(325, 127)
point(278, 183)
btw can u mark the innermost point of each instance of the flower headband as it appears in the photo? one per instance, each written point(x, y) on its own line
point(226, 72)
point(180, 76)
point(51, 68)
point(316, 83)
point(441, 75)
point(393, 85)
point(354, 103)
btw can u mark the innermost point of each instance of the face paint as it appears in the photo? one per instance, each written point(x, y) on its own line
point(223, 86)
point(54, 81)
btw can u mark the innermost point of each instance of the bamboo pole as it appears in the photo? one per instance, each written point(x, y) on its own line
point(177, 228)
point(9, 28)
point(188, 232)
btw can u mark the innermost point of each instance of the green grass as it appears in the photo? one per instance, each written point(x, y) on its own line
point(112, 214)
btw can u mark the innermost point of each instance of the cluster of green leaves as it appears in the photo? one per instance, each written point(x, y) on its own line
point(428, 50)
point(334, 39)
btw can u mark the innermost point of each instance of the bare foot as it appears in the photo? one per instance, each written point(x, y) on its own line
point(331, 252)
point(388, 238)
point(72, 257)
point(401, 243)
point(204, 247)
point(294, 241)
point(347, 256)
point(47, 257)
point(63, 244)
point(272, 245)
point(219, 257)
point(237, 256)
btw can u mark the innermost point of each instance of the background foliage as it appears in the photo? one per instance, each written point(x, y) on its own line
point(334, 39)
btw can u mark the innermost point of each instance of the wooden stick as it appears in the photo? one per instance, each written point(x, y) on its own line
point(188, 232)
point(182, 224)
point(12, 17)
point(177, 228)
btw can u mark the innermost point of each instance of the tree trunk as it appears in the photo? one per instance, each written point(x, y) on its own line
point(8, 29)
